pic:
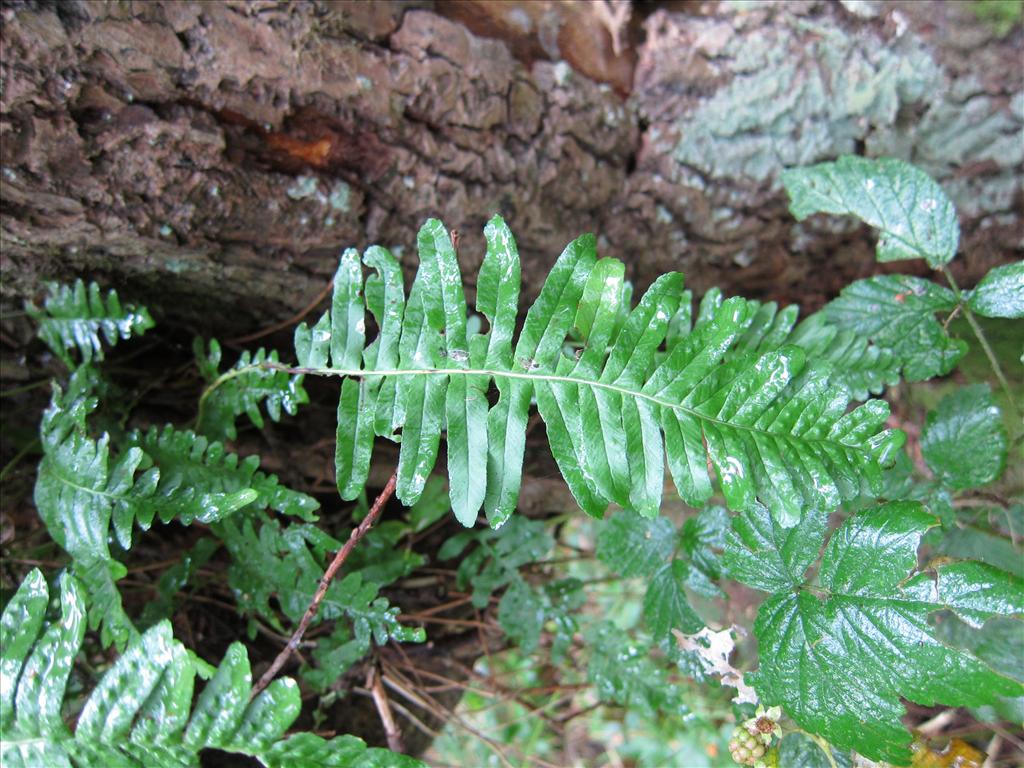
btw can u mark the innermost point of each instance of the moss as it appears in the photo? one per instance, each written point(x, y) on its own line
point(809, 92)
point(787, 108)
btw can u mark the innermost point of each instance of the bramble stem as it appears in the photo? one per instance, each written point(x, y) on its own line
point(325, 582)
point(980, 334)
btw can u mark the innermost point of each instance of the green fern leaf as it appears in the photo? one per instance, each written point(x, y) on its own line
point(140, 713)
point(83, 493)
point(274, 565)
point(856, 363)
point(243, 389)
point(773, 429)
point(77, 317)
point(200, 480)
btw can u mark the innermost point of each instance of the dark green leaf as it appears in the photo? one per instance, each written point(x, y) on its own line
point(839, 656)
point(964, 442)
point(897, 313)
point(635, 546)
point(665, 604)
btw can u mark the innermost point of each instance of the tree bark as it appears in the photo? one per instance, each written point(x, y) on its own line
point(212, 158)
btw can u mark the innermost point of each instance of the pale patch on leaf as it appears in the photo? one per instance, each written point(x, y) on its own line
point(714, 649)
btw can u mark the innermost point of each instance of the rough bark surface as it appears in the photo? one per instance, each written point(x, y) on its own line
point(211, 158)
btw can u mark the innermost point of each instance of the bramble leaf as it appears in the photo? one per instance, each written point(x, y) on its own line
point(76, 317)
point(1000, 292)
point(665, 604)
point(140, 713)
point(839, 655)
point(915, 218)
point(897, 313)
point(624, 673)
point(964, 442)
point(634, 546)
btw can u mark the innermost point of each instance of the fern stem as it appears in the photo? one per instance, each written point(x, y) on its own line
point(220, 380)
point(551, 378)
point(325, 582)
point(980, 334)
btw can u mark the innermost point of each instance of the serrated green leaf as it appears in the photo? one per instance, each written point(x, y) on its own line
point(897, 313)
point(521, 615)
point(623, 672)
point(763, 555)
point(665, 604)
point(701, 538)
point(77, 317)
point(964, 442)
point(840, 655)
point(1000, 292)
point(797, 749)
point(635, 546)
point(915, 218)
point(972, 544)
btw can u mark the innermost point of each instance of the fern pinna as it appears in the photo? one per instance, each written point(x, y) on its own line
point(616, 404)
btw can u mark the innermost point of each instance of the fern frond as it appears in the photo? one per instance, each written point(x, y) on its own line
point(856, 363)
point(243, 388)
point(78, 317)
point(200, 480)
point(83, 490)
point(140, 713)
point(772, 426)
point(280, 567)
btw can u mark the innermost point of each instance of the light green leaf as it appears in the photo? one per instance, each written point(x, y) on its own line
point(77, 317)
point(245, 392)
point(1000, 292)
point(964, 442)
point(839, 655)
point(731, 389)
point(915, 218)
point(138, 715)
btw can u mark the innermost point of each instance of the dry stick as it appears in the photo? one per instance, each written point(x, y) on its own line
point(380, 700)
point(325, 582)
point(285, 323)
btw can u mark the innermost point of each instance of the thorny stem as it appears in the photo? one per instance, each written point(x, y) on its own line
point(325, 582)
point(973, 322)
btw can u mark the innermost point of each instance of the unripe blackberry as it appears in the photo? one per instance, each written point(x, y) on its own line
point(745, 747)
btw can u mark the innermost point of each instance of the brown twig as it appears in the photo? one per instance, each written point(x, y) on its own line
point(325, 582)
point(380, 700)
point(285, 323)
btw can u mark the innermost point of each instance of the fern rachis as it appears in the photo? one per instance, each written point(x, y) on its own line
point(773, 426)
